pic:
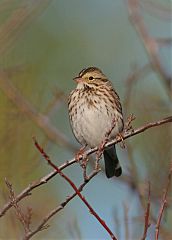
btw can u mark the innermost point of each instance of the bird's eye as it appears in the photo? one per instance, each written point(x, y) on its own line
point(91, 78)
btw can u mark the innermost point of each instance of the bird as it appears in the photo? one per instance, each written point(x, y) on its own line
point(92, 106)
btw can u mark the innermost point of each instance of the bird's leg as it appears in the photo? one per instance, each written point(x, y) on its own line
point(84, 166)
point(119, 136)
point(82, 158)
point(80, 154)
point(99, 153)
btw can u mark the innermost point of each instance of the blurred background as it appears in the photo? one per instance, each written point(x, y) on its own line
point(43, 45)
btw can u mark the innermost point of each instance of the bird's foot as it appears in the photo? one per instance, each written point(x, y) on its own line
point(80, 155)
point(82, 158)
point(99, 154)
point(119, 136)
point(101, 147)
point(84, 167)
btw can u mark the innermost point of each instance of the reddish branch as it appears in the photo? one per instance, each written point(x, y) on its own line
point(92, 211)
point(27, 191)
point(141, 129)
point(147, 215)
point(44, 221)
point(163, 204)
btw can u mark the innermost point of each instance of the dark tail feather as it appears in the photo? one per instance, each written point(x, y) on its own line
point(112, 166)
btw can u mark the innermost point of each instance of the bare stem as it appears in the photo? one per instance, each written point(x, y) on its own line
point(60, 207)
point(163, 204)
point(27, 191)
point(71, 183)
point(147, 215)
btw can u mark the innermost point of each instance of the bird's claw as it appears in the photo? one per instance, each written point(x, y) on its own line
point(119, 136)
point(80, 155)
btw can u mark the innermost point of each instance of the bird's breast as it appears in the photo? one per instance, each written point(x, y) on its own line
point(93, 118)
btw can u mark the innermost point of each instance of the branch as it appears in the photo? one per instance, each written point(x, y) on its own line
point(41, 120)
point(11, 29)
point(126, 221)
point(27, 191)
point(163, 204)
point(149, 42)
point(42, 224)
point(139, 130)
point(71, 183)
point(25, 219)
point(147, 215)
point(157, 9)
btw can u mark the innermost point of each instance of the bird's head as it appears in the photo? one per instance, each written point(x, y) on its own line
point(90, 77)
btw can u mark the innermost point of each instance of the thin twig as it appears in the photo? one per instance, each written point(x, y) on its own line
point(147, 215)
point(27, 191)
point(126, 221)
point(59, 207)
point(130, 83)
point(163, 204)
point(149, 42)
point(19, 18)
point(41, 120)
point(25, 219)
point(157, 9)
point(71, 183)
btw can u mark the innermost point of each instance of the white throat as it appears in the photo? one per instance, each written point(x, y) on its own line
point(80, 85)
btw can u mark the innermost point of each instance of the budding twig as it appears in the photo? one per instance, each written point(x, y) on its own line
point(25, 219)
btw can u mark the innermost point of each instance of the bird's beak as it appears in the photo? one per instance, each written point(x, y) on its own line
point(78, 79)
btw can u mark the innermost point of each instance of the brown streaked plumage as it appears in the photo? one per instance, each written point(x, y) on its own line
point(93, 105)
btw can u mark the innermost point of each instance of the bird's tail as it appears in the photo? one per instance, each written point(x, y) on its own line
point(112, 166)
